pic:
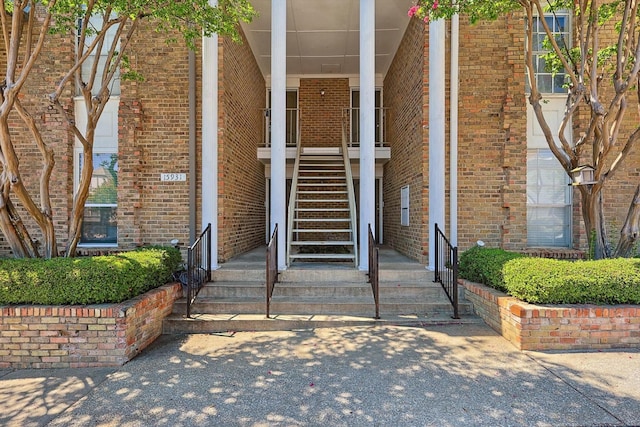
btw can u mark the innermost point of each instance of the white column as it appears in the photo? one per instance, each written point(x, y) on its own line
point(436, 132)
point(367, 126)
point(210, 140)
point(453, 131)
point(279, 125)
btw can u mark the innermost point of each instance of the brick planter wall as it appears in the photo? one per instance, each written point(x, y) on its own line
point(562, 327)
point(83, 336)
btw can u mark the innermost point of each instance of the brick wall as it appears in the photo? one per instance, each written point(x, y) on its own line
point(405, 88)
point(492, 135)
point(153, 139)
point(567, 327)
point(52, 124)
point(241, 210)
point(321, 116)
point(83, 336)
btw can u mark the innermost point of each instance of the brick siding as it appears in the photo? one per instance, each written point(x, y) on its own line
point(405, 88)
point(241, 191)
point(83, 336)
point(321, 116)
point(566, 327)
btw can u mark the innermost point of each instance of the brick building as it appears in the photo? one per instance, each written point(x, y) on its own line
point(213, 137)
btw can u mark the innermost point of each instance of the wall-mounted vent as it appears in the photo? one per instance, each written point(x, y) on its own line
point(404, 206)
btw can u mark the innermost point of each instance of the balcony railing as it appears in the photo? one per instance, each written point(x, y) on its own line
point(352, 115)
point(292, 130)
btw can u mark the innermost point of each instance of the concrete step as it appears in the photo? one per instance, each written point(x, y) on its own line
point(239, 275)
point(255, 289)
point(345, 273)
point(322, 256)
point(230, 323)
point(343, 306)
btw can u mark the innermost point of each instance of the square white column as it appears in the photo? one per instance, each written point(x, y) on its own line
point(210, 140)
point(367, 127)
point(279, 126)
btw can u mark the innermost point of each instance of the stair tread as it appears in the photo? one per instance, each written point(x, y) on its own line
point(322, 230)
point(318, 178)
point(322, 209)
point(322, 219)
point(315, 184)
point(324, 256)
point(322, 192)
point(323, 200)
point(321, 242)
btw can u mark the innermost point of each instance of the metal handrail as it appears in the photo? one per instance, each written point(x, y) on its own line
point(351, 194)
point(446, 268)
point(198, 266)
point(272, 267)
point(292, 200)
point(374, 262)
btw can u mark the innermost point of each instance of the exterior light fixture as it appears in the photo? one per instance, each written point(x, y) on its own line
point(583, 175)
point(322, 91)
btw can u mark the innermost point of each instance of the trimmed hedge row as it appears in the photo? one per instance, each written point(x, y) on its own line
point(86, 280)
point(484, 265)
point(550, 281)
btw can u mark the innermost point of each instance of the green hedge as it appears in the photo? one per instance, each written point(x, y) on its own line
point(86, 280)
point(484, 265)
point(549, 281)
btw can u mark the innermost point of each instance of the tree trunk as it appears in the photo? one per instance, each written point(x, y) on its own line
point(630, 231)
point(77, 212)
point(593, 217)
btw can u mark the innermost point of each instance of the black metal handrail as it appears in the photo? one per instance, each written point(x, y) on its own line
point(446, 268)
point(272, 266)
point(374, 256)
point(198, 267)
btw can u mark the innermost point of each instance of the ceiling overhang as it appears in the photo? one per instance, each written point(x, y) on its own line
point(323, 36)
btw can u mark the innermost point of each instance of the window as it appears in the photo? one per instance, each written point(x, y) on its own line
point(95, 22)
point(100, 224)
point(549, 204)
point(292, 118)
point(548, 201)
point(100, 227)
point(558, 22)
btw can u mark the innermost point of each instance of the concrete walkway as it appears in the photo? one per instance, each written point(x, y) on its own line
point(449, 375)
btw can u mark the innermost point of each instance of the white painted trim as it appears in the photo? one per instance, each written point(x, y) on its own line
point(437, 124)
point(210, 140)
point(278, 125)
point(453, 131)
point(367, 126)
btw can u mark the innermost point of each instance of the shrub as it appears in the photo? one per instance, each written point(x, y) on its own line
point(86, 280)
point(484, 265)
point(549, 281)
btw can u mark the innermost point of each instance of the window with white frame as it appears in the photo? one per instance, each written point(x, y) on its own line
point(100, 225)
point(549, 197)
point(292, 125)
point(548, 201)
point(355, 117)
point(95, 23)
point(559, 23)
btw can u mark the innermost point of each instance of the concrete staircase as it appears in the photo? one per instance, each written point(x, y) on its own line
point(315, 296)
point(322, 208)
